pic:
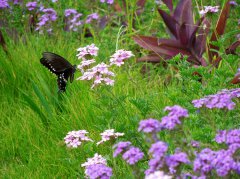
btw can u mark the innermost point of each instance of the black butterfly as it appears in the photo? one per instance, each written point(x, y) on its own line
point(59, 66)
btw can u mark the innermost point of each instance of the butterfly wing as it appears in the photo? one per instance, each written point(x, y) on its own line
point(55, 63)
point(59, 66)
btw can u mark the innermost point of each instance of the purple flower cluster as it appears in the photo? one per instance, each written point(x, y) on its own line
point(119, 57)
point(96, 168)
point(75, 138)
point(108, 135)
point(129, 153)
point(233, 3)
point(31, 6)
point(175, 160)
point(222, 161)
point(91, 17)
point(173, 118)
point(45, 21)
point(98, 171)
point(149, 126)
point(222, 99)
point(107, 1)
point(4, 4)
point(72, 19)
point(209, 9)
point(228, 137)
point(157, 151)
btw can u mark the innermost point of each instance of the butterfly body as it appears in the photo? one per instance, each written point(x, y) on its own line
point(60, 67)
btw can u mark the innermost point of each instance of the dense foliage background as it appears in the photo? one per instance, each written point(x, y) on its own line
point(35, 117)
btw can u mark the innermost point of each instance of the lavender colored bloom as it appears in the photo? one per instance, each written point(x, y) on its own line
point(173, 118)
point(98, 171)
point(31, 5)
point(203, 161)
point(233, 148)
point(4, 4)
point(121, 147)
point(158, 149)
point(228, 137)
point(133, 155)
point(175, 160)
point(155, 164)
point(222, 99)
point(69, 12)
point(149, 126)
point(46, 19)
point(91, 17)
point(233, 3)
point(107, 1)
point(223, 162)
point(176, 111)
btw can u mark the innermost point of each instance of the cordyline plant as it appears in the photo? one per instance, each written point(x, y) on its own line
point(186, 38)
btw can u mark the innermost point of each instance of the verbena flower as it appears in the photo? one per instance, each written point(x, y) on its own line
point(228, 137)
point(158, 175)
point(97, 159)
point(17, 2)
point(173, 118)
point(149, 126)
point(203, 161)
point(108, 135)
point(4, 4)
point(85, 64)
point(46, 20)
point(72, 19)
point(119, 57)
point(133, 155)
point(83, 52)
point(209, 9)
point(75, 138)
point(175, 160)
point(107, 1)
point(158, 149)
point(222, 99)
point(233, 3)
point(195, 144)
point(120, 148)
point(98, 171)
point(93, 16)
point(99, 74)
point(31, 5)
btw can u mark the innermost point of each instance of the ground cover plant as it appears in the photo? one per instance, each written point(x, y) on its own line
point(178, 119)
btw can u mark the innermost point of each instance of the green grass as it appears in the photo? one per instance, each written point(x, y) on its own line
point(35, 118)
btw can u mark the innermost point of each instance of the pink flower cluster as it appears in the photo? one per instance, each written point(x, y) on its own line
point(119, 56)
point(99, 73)
point(97, 159)
point(209, 9)
point(108, 135)
point(75, 138)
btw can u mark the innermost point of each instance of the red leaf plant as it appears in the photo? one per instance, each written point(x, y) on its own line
point(186, 38)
